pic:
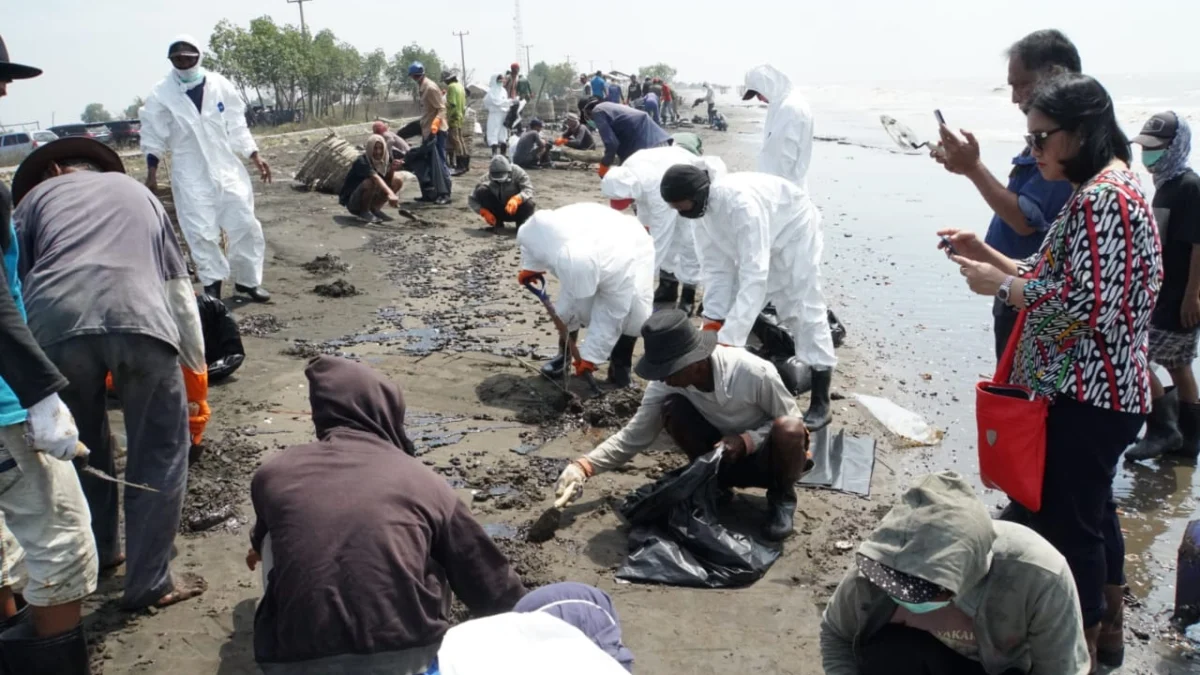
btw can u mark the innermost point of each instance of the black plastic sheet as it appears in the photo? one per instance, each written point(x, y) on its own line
point(677, 537)
point(843, 463)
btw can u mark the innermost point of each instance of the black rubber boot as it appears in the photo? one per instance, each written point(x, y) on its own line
point(781, 513)
point(213, 290)
point(687, 299)
point(256, 293)
point(1162, 429)
point(620, 361)
point(819, 413)
point(1189, 426)
point(667, 292)
point(24, 614)
point(27, 654)
point(555, 366)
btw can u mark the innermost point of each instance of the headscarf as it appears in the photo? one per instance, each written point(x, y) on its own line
point(1174, 161)
point(586, 608)
point(497, 94)
point(380, 165)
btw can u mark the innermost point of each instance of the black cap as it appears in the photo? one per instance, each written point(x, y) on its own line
point(14, 71)
point(182, 48)
point(1158, 131)
point(33, 168)
point(750, 93)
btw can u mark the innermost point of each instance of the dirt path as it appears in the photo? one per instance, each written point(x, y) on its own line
point(436, 306)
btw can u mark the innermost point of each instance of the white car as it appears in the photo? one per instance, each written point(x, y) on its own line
point(16, 145)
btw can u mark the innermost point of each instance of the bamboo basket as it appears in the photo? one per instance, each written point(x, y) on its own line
point(325, 166)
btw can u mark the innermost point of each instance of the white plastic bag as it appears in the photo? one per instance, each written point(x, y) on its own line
point(900, 421)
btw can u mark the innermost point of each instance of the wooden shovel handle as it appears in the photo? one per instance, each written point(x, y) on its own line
point(567, 496)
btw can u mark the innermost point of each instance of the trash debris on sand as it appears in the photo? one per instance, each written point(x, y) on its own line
point(338, 289)
point(325, 265)
point(904, 423)
point(303, 349)
point(260, 325)
point(216, 484)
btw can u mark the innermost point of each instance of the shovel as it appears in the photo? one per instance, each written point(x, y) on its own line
point(93, 471)
point(543, 530)
point(574, 349)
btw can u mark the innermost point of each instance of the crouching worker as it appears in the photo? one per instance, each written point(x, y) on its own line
point(365, 542)
point(939, 588)
point(575, 135)
point(372, 182)
point(604, 263)
point(706, 395)
point(505, 195)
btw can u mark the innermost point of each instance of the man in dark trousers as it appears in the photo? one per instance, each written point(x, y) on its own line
point(624, 131)
point(505, 195)
point(363, 541)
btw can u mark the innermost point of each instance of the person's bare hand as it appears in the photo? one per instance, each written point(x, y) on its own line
point(252, 559)
point(393, 199)
point(152, 182)
point(735, 448)
point(965, 242)
point(1189, 314)
point(982, 278)
point(264, 169)
point(397, 164)
point(959, 155)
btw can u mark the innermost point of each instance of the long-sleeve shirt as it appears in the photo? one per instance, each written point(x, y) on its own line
point(433, 106)
point(1090, 294)
point(747, 398)
point(519, 186)
point(456, 104)
point(625, 130)
point(580, 138)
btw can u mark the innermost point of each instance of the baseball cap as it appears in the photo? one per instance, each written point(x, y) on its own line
point(898, 584)
point(181, 48)
point(1158, 131)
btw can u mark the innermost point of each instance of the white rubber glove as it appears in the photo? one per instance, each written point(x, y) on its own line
point(52, 430)
point(572, 474)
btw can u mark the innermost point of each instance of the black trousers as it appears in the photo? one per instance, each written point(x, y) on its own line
point(900, 650)
point(488, 200)
point(1004, 319)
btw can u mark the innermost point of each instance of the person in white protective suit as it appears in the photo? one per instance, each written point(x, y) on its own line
point(637, 181)
point(533, 643)
point(604, 263)
point(788, 131)
point(759, 239)
point(200, 119)
point(497, 104)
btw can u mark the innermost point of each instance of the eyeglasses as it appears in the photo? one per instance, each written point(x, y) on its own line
point(1037, 139)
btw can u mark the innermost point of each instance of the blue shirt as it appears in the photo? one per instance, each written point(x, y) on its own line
point(11, 411)
point(625, 130)
point(599, 87)
point(1040, 201)
point(614, 93)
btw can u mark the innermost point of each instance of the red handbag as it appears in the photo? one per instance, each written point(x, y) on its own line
point(1012, 431)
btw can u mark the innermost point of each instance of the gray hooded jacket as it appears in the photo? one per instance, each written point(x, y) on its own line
point(1011, 581)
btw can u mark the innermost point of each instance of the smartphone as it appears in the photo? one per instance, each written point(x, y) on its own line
point(938, 115)
point(948, 247)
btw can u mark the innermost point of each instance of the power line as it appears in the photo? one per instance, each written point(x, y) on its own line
point(462, 54)
point(303, 27)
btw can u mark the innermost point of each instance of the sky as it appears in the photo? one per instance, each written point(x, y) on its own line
point(110, 52)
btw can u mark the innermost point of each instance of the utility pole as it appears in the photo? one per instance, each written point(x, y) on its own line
point(528, 63)
point(303, 27)
point(518, 31)
point(462, 54)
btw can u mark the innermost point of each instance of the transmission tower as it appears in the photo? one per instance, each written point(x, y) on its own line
point(520, 34)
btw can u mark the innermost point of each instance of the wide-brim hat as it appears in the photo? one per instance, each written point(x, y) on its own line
point(672, 343)
point(10, 71)
point(33, 168)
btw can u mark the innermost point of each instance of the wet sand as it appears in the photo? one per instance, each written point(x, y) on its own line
point(437, 307)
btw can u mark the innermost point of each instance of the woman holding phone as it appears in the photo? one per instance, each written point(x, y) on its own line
point(1087, 297)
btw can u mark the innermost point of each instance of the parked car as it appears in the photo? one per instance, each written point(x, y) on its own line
point(125, 132)
point(16, 145)
point(96, 131)
point(100, 132)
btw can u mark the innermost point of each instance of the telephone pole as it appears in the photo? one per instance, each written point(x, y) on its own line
point(462, 54)
point(303, 27)
point(528, 63)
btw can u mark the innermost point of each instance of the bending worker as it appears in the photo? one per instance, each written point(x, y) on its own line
point(604, 263)
point(505, 195)
point(624, 131)
point(704, 394)
point(788, 131)
point(575, 135)
point(638, 181)
point(759, 239)
point(198, 116)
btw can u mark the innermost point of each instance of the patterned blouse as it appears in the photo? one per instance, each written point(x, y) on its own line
point(1090, 293)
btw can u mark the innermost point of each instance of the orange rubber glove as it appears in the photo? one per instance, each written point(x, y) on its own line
point(603, 170)
point(560, 141)
point(525, 276)
point(487, 217)
point(620, 204)
point(584, 367)
point(714, 326)
point(108, 382)
point(197, 396)
point(513, 204)
point(436, 125)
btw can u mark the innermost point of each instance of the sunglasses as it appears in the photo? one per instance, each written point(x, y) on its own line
point(1037, 139)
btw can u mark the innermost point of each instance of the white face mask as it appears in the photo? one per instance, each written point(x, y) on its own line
point(190, 75)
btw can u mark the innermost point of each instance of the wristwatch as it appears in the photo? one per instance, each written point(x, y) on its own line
point(1005, 286)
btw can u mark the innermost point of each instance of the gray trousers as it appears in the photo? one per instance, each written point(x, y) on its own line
point(150, 386)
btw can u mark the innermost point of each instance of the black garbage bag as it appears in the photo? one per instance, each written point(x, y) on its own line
point(677, 538)
point(777, 345)
point(422, 161)
point(223, 350)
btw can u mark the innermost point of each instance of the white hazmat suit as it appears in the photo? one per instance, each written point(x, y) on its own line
point(497, 104)
point(209, 182)
point(760, 242)
point(788, 131)
point(604, 263)
point(639, 179)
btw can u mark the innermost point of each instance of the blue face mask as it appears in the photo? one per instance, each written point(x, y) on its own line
point(1151, 157)
point(922, 607)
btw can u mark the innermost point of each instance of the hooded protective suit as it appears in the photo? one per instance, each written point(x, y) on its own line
point(209, 182)
point(1013, 584)
point(497, 104)
point(604, 263)
point(788, 131)
point(760, 242)
point(639, 179)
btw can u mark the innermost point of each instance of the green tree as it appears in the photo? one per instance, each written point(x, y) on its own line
point(400, 62)
point(94, 113)
point(662, 70)
point(131, 112)
point(559, 79)
point(228, 54)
